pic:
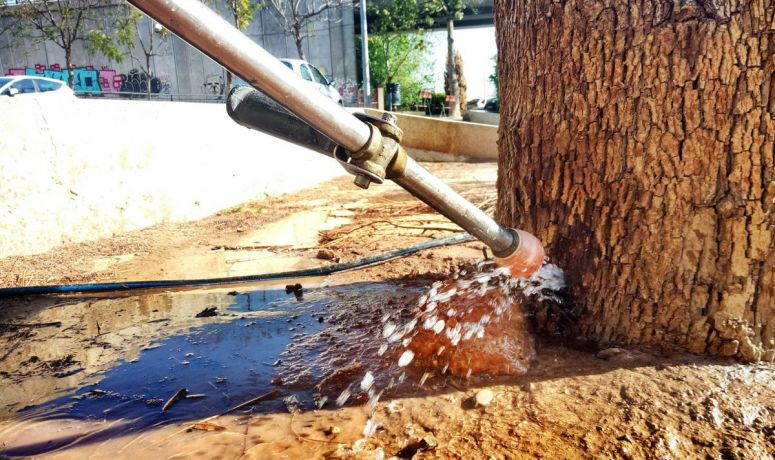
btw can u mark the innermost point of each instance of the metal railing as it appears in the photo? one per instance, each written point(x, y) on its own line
point(143, 96)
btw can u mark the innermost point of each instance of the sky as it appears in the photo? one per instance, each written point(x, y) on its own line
point(478, 47)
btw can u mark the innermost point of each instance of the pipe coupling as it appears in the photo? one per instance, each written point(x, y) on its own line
point(382, 156)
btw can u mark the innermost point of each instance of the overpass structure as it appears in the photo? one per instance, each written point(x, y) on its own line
point(477, 14)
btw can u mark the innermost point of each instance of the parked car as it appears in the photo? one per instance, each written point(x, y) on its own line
point(26, 84)
point(493, 105)
point(314, 76)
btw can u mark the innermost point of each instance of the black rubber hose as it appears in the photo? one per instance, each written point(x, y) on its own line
point(255, 110)
point(320, 271)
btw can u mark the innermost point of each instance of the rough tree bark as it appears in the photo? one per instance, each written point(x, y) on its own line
point(636, 141)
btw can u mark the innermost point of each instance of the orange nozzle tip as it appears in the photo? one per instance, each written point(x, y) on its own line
point(526, 259)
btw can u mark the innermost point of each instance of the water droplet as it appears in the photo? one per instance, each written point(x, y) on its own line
point(388, 330)
point(405, 358)
point(367, 382)
point(370, 428)
point(343, 397)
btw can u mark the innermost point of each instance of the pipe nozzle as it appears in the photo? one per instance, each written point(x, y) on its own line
point(526, 259)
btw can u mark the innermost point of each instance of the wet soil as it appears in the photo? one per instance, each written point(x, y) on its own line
point(88, 376)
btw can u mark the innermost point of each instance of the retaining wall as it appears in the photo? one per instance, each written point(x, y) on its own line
point(76, 170)
point(440, 139)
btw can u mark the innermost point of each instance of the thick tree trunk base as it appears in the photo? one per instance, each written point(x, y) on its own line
point(637, 142)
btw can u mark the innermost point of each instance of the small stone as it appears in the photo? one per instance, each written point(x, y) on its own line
point(326, 254)
point(729, 348)
point(332, 430)
point(484, 397)
point(207, 313)
point(609, 353)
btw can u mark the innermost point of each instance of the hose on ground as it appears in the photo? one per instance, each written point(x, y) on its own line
point(319, 271)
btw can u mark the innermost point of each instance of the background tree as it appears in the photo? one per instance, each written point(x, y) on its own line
point(460, 75)
point(639, 148)
point(149, 40)
point(295, 15)
point(9, 21)
point(398, 48)
point(65, 22)
point(449, 11)
point(242, 15)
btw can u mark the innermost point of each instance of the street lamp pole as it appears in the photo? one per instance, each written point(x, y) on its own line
point(365, 57)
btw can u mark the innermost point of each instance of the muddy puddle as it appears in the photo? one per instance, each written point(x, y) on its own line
point(320, 371)
point(119, 360)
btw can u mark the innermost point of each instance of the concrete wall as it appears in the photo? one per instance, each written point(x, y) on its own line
point(76, 170)
point(482, 116)
point(440, 139)
point(182, 69)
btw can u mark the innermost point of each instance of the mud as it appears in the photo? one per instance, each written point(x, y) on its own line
point(70, 385)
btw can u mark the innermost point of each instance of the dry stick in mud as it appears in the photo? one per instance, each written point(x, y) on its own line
point(181, 394)
point(31, 325)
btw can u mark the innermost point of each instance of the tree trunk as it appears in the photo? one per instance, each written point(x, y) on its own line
point(229, 82)
point(462, 81)
point(637, 143)
point(300, 46)
point(148, 76)
point(68, 69)
point(453, 83)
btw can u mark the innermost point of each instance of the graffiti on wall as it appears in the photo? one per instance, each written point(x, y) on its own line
point(348, 89)
point(213, 86)
point(90, 80)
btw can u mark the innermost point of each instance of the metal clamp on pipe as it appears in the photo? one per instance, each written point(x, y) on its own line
point(382, 157)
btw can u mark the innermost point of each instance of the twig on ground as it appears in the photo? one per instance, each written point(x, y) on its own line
point(181, 394)
point(31, 325)
point(250, 248)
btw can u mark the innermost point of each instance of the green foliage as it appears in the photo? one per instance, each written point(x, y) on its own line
point(243, 11)
point(396, 16)
point(398, 49)
point(120, 36)
point(494, 76)
point(448, 9)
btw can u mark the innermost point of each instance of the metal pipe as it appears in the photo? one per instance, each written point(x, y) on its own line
point(439, 196)
point(200, 26)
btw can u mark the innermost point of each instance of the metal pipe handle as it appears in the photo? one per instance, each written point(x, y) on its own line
point(255, 110)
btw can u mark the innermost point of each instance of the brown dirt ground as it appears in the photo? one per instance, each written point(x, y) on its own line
point(573, 403)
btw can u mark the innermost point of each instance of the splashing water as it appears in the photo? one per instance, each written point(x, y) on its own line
point(473, 323)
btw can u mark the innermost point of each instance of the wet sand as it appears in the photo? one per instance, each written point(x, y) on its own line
point(86, 377)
